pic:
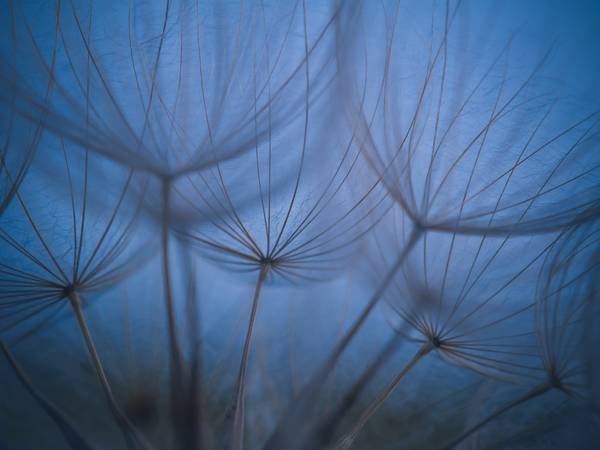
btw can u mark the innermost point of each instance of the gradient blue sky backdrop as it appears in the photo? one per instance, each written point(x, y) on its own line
point(295, 152)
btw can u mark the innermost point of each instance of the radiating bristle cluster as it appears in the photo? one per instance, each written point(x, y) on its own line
point(303, 225)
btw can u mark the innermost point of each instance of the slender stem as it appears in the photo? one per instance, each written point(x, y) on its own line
point(61, 419)
point(306, 400)
point(380, 399)
point(239, 414)
point(533, 393)
point(325, 431)
point(176, 356)
point(193, 436)
point(373, 301)
point(133, 437)
point(177, 389)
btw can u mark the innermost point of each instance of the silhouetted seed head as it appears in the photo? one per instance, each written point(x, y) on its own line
point(436, 341)
point(267, 261)
point(69, 289)
point(554, 380)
